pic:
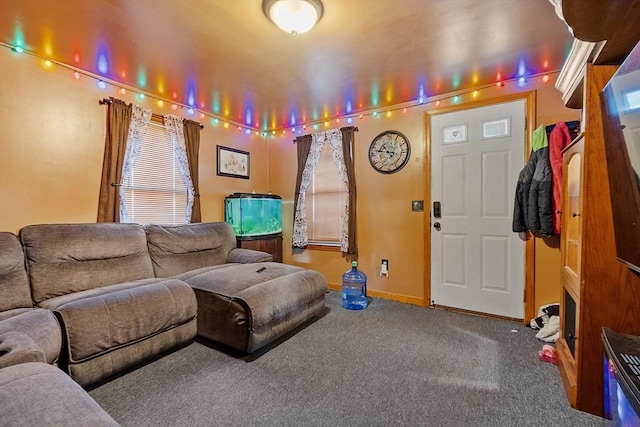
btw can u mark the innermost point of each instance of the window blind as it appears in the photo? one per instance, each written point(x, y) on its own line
point(156, 192)
point(325, 200)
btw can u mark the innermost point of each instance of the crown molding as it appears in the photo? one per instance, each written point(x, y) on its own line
point(571, 75)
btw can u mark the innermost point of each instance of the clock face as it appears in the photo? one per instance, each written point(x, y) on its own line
point(389, 152)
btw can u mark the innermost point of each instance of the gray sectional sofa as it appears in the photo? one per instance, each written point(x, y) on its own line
point(98, 299)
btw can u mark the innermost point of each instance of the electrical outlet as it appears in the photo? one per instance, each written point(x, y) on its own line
point(384, 268)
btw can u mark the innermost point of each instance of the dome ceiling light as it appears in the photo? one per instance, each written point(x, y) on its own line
point(293, 16)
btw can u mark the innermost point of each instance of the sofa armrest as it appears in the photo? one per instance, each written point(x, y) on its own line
point(16, 347)
point(247, 256)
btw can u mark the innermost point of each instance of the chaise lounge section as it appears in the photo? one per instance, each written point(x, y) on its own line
point(241, 304)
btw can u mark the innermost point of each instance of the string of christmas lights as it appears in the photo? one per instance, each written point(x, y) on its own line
point(104, 83)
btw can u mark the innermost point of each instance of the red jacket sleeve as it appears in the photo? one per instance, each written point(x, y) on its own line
point(559, 138)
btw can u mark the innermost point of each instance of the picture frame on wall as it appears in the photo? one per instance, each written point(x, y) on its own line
point(232, 163)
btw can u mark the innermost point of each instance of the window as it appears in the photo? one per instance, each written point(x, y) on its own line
point(326, 202)
point(156, 192)
point(631, 100)
point(324, 208)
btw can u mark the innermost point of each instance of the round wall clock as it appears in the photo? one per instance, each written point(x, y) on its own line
point(389, 152)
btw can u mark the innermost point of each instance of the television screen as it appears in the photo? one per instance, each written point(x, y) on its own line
point(621, 124)
point(621, 378)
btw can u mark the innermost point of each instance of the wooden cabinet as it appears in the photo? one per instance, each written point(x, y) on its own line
point(598, 291)
point(572, 220)
point(269, 244)
point(571, 244)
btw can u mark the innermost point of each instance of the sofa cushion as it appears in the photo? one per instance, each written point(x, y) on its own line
point(40, 325)
point(96, 323)
point(175, 249)
point(67, 258)
point(14, 283)
point(232, 279)
point(16, 347)
point(37, 394)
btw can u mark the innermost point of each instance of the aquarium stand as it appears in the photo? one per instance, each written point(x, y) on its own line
point(271, 244)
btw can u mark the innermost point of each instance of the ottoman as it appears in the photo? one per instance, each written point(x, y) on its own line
point(247, 306)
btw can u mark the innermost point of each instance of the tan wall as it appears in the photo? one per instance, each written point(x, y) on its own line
point(52, 133)
point(51, 147)
point(387, 228)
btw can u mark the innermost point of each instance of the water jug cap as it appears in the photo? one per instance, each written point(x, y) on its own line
point(354, 263)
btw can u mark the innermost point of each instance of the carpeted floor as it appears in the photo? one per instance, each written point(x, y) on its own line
point(391, 364)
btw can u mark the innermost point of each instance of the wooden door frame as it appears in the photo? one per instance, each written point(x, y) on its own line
point(530, 120)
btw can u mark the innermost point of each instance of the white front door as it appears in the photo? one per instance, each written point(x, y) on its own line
point(477, 262)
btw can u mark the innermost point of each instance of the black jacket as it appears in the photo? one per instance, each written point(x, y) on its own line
point(533, 209)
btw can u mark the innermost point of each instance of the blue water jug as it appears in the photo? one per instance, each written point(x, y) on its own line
point(354, 288)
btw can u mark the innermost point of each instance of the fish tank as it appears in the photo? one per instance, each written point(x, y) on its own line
point(253, 215)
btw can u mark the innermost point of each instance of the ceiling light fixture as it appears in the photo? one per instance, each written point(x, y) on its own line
point(293, 16)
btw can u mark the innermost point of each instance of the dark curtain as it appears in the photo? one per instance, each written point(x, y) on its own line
point(115, 145)
point(303, 146)
point(192, 143)
point(348, 137)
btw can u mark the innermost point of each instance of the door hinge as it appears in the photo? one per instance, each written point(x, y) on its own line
point(525, 124)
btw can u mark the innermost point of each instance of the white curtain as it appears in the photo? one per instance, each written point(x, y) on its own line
point(140, 118)
point(334, 138)
point(174, 125)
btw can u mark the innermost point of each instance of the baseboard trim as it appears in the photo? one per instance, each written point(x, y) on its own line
point(385, 295)
point(477, 313)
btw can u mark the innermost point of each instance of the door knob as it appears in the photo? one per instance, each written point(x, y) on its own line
point(436, 225)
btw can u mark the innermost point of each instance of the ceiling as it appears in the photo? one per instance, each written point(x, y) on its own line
point(225, 58)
